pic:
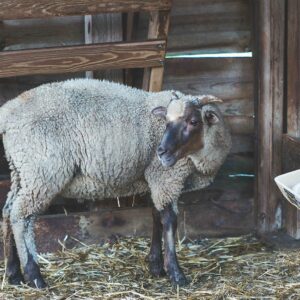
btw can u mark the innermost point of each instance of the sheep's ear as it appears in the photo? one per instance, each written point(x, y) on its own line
point(211, 117)
point(160, 111)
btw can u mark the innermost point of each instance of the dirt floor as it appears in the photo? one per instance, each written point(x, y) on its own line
point(229, 268)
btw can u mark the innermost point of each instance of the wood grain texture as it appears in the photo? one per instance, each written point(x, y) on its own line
point(229, 79)
point(22, 9)
point(41, 33)
point(195, 221)
point(292, 214)
point(82, 58)
point(270, 92)
point(158, 28)
point(107, 28)
point(208, 26)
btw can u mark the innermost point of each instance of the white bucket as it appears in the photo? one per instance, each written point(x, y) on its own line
point(286, 183)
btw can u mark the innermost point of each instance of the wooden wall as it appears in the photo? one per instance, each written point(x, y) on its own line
point(197, 26)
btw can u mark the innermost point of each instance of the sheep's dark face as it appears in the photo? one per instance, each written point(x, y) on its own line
point(184, 133)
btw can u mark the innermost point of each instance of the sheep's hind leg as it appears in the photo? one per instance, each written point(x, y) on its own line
point(22, 225)
point(155, 258)
point(169, 221)
point(28, 204)
point(13, 269)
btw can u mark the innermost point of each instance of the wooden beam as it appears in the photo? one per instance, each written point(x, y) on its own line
point(270, 91)
point(158, 28)
point(82, 58)
point(22, 9)
point(292, 214)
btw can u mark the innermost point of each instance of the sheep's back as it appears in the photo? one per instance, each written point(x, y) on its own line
point(100, 129)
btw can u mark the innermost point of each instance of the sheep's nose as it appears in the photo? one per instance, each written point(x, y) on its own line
point(161, 150)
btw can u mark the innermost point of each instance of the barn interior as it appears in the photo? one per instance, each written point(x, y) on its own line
point(245, 52)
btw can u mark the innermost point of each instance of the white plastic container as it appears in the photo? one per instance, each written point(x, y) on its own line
point(287, 183)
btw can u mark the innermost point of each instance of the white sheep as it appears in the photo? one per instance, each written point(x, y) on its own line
point(96, 139)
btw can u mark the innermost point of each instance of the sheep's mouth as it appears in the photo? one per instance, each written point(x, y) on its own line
point(168, 160)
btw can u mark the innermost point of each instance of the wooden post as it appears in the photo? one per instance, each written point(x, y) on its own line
point(292, 215)
point(158, 28)
point(270, 29)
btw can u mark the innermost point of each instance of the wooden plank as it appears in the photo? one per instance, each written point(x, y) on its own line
point(158, 28)
point(229, 79)
point(195, 221)
point(41, 33)
point(107, 28)
point(208, 26)
point(82, 58)
point(270, 90)
point(292, 214)
point(22, 9)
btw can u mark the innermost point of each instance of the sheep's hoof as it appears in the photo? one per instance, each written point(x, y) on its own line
point(16, 279)
point(178, 279)
point(38, 283)
point(156, 268)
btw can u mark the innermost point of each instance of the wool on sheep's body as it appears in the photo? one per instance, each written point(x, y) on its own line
point(92, 139)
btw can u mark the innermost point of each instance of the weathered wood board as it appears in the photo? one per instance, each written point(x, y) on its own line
point(21, 9)
point(270, 58)
point(208, 26)
point(292, 215)
point(229, 79)
point(82, 58)
point(200, 25)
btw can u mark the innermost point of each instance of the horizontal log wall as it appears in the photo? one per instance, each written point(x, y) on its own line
point(196, 26)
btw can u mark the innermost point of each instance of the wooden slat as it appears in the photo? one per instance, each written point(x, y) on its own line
point(107, 28)
point(39, 33)
point(229, 79)
point(270, 76)
point(22, 9)
point(158, 29)
point(207, 219)
point(292, 214)
point(82, 58)
point(208, 26)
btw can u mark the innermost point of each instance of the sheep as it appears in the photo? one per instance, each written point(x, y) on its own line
point(95, 139)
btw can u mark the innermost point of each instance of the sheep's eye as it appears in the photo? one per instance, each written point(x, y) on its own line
point(194, 122)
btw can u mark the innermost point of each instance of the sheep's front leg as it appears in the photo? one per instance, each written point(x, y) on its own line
point(156, 263)
point(169, 221)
